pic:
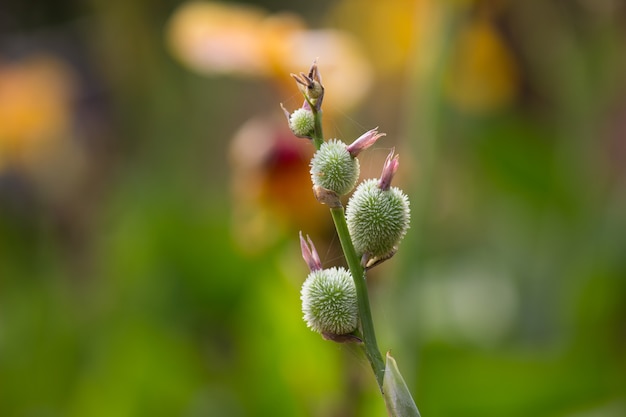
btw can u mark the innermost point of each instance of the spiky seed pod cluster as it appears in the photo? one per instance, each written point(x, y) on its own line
point(334, 168)
point(302, 122)
point(329, 301)
point(377, 219)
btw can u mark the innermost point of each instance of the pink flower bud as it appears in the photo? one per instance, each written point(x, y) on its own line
point(364, 141)
point(389, 170)
point(309, 254)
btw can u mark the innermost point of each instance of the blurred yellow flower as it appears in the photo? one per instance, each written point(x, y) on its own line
point(411, 35)
point(215, 37)
point(483, 74)
point(37, 118)
point(240, 40)
point(390, 29)
point(35, 107)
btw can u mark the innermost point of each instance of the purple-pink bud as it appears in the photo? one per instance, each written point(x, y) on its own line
point(389, 170)
point(364, 141)
point(309, 254)
point(311, 86)
point(305, 106)
point(286, 112)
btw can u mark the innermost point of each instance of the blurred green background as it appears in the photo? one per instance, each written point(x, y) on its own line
point(150, 199)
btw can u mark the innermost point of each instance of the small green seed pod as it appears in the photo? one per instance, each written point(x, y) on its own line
point(377, 219)
point(333, 168)
point(329, 301)
point(302, 122)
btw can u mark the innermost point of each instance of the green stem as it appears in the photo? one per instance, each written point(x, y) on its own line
point(358, 274)
point(318, 135)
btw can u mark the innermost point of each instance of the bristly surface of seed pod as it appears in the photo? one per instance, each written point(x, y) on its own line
point(334, 168)
point(377, 219)
point(302, 122)
point(329, 301)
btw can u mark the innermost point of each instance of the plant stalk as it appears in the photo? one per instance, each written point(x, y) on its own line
point(318, 135)
point(358, 274)
point(357, 271)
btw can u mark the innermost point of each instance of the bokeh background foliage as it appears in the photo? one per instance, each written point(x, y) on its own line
point(150, 199)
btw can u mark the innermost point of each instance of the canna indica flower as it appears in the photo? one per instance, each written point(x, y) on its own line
point(378, 216)
point(270, 185)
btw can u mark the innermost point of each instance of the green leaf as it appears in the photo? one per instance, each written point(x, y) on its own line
point(397, 396)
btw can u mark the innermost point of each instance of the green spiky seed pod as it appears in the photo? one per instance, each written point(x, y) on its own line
point(377, 219)
point(302, 122)
point(329, 301)
point(333, 168)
